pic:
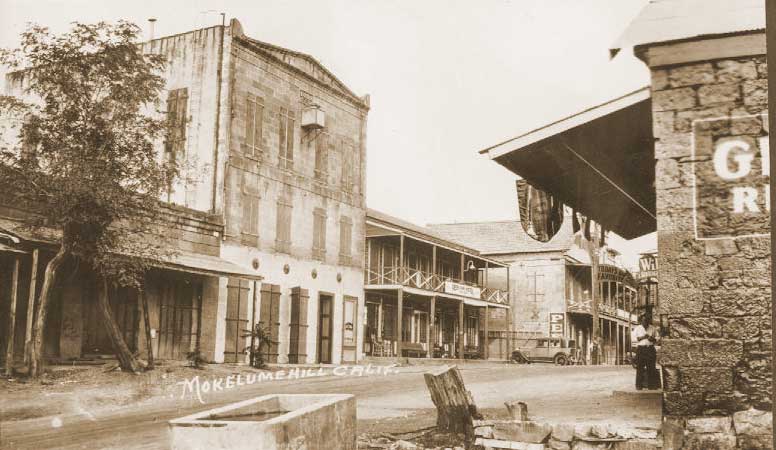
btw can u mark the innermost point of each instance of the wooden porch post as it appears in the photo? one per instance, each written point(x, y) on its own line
point(485, 281)
point(486, 353)
point(368, 261)
point(12, 317)
point(460, 327)
point(380, 318)
point(431, 327)
point(462, 267)
point(399, 314)
point(31, 306)
point(401, 258)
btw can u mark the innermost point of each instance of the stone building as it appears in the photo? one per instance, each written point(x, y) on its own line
point(686, 157)
point(550, 286)
point(276, 147)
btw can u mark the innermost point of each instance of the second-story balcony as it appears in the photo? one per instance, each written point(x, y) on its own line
point(419, 279)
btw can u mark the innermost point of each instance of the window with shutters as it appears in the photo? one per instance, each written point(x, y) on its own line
point(254, 114)
point(283, 227)
point(286, 139)
point(346, 237)
point(347, 167)
point(321, 157)
point(249, 223)
point(319, 234)
point(177, 109)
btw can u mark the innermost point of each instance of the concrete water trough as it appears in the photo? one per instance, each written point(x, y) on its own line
point(272, 422)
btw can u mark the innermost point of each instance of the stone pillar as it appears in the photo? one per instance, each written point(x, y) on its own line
point(714, 276)
point(212, 334)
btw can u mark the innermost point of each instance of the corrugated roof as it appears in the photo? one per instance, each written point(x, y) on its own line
point(504, 237)
point(672, 20)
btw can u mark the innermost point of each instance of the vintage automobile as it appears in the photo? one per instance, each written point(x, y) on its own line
point(555, 350)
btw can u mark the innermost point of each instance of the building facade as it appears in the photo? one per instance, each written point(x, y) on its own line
point(269, 219)
point(550, 285)
point(427, 296)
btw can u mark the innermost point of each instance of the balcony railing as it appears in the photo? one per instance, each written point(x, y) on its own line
point(419, 279)
point(586, 307)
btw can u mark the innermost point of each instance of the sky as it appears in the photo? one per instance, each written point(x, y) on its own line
point(446, 78)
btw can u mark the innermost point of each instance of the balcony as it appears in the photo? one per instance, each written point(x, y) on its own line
point(418, 279)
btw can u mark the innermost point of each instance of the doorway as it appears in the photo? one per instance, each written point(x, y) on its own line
point(325, 313)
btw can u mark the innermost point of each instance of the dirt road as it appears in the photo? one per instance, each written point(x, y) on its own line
point(393, 402)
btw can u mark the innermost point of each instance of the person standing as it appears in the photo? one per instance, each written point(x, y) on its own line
point(643, 337)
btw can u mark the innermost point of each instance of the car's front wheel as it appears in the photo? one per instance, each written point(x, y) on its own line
point(561, 360)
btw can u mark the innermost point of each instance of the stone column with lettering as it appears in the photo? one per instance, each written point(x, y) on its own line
point(711, 134)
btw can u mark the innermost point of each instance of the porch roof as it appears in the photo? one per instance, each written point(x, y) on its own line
point(599, 161)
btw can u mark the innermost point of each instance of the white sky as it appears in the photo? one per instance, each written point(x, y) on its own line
point(446, 78)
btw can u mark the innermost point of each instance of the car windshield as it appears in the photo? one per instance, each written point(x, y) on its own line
point(541, 343)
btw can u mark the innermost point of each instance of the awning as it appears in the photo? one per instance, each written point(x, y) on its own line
point(600, 162)
point(205, 265)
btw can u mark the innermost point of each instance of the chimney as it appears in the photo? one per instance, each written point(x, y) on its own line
point(151, 23)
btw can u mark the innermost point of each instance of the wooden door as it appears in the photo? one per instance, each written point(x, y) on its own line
point(349, 327)
point(123, 305)
point(236, 319)
point(325, 308)
point(180, 305)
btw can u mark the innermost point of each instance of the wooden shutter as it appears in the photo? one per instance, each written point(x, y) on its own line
point(249, 223)
point(346, 237)
point(297, 349)
point(290, 140)
point(319, 233)
point(269, 318)
point(283, 227)
point(321, 156)
point(236, 319)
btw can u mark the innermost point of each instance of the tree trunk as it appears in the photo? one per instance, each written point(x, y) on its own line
point(35, 362)
point(455, 406)
point(127, 360)
point(149, 344)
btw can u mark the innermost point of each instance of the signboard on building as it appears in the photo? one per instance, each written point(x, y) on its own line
point(451, 287)
point(557, 320)
point(647, 266)
point(731, 173)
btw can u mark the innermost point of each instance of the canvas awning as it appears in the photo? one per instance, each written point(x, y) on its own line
point(7, 248)
point(205, 265)
point(601, 162)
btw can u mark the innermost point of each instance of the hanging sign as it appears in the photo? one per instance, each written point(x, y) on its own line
point(731, 173)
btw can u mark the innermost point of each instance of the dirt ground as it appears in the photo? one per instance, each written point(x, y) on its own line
point(86, 409)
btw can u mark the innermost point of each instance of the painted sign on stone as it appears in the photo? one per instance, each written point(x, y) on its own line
point(731, 177)
point(556, 324)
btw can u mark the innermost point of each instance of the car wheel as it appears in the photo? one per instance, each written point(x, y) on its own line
point(561, 360)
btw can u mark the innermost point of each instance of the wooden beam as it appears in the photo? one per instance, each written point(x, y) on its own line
point(461, 331)
point(31, 305)
point(399, 314)
point(704, 49)
point(12, 317)
point(462, 267)
point(431, 327)
point(485, 334)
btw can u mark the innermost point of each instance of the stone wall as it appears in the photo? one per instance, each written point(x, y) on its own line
point(714, 264)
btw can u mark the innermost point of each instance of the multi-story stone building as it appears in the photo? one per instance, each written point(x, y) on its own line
point(550, 286)
point(275, 147)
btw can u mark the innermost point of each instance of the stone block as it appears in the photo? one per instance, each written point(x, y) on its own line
point(557, 444)
point(744, 328)
point(602, 431)
point(753, 422)
point(722, 352)
point(486, 432)
point(712, 94)
point(682, 403)
point(695, 327)
point(755, 92)
point(680, 352)
point(756, 442)
point(672, 146)
point(501, 444)
point(585, 445)
point(716, 247)
point(673, 433)
point(686, 120)
point(762, 69)
point(730, 71)
point(660, 79)
point(663, 124)
point(652, 444)
point(708, 441)
point(706, 379)
point(522, 432)
point(692, 74)
point(721, 424)
point(743, 122)
point(738, 302)
point(671, 379)
point(563, 431)
point(674, 99)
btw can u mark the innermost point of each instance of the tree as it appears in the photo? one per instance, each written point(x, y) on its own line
point(86, 162)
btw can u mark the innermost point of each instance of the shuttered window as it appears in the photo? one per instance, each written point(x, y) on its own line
point(283, 227)
point(286, 139)
point(347, 167)
point(346, 238)
point(321, 157)
point(254, 114)
point(249, 224)
point(319, 234)
point(177, 109)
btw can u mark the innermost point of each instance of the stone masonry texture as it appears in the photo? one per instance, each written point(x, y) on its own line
point(715, 294)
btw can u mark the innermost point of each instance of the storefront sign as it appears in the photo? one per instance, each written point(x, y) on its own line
point(731, 173)
point(465, 290)
point(557, 321)
point(647, 267)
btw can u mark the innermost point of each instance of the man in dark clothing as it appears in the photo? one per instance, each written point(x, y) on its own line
point(643, 337)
